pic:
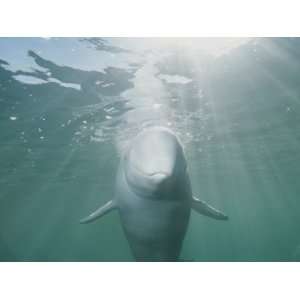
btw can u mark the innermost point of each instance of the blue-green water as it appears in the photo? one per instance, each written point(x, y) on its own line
point(68, 106)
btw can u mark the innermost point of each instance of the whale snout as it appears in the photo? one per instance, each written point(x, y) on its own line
point(161, 182)
point(160, 177)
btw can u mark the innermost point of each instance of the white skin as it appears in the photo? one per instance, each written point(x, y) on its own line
point(153, 196)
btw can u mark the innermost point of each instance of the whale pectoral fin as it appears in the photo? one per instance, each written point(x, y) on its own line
point(101, 211)
point(203, 208)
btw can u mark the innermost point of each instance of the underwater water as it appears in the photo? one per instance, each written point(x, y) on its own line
point(69, 107)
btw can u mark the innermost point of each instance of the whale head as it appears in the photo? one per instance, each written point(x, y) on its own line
point(155, 162)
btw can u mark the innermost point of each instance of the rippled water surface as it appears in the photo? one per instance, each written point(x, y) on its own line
point(69, 106)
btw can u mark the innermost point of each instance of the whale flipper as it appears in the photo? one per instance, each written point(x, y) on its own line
point(101, 211)
point(203, 208)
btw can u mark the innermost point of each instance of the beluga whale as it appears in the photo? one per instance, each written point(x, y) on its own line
point(153, 196)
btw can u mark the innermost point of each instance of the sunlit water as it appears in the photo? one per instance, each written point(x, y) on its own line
point(70, 106)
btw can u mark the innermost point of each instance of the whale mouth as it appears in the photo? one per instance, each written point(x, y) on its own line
point(161, 182)
point(150, 184)
point(159, 177)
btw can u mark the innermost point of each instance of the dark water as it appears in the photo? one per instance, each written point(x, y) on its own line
point(68, 107)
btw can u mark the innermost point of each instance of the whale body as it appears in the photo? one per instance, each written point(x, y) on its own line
point(153, 196)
